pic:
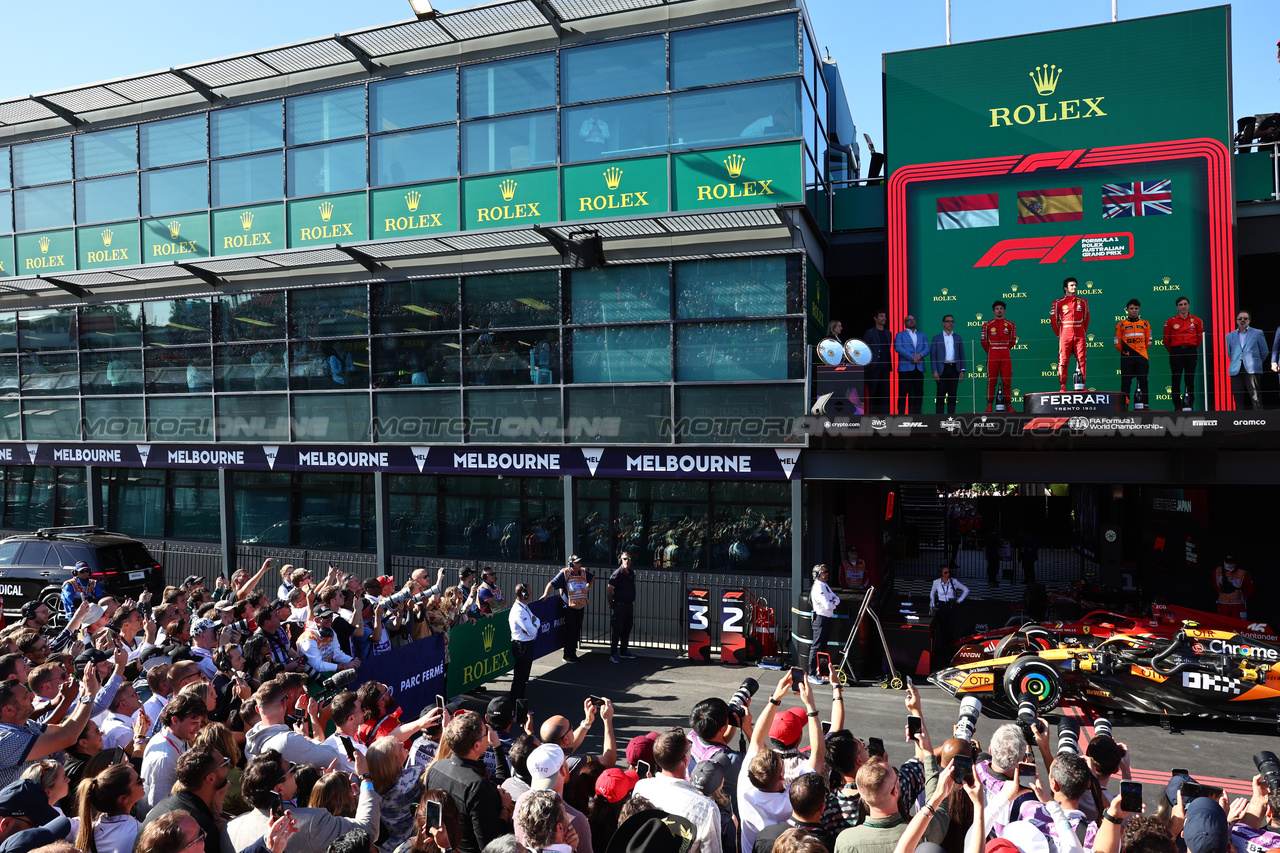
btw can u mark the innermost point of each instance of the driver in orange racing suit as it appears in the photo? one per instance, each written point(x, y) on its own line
point(1070, 321)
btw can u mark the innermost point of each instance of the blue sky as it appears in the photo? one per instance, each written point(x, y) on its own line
point(77, 42)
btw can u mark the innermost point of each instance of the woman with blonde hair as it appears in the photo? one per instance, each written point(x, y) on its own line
point(52, 776)
point(218, 736)
point(428, 839)
point(399, 786)
point(334, 792)
point(205, 691)
point(106, 800)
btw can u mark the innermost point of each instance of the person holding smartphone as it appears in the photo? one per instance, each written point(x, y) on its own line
point(824, 603)
point(1058, 814)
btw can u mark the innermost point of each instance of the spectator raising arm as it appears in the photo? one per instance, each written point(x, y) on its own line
point(760, 734)
point(817, 743)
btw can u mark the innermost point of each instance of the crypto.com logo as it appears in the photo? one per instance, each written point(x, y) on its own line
point(1048, 249)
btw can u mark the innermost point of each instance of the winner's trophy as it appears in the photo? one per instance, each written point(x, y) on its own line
point(857, 352)
point(1079, 380)
point(1138, 403)
point(1000, 405)
point(1186, 402)
point(830, 351)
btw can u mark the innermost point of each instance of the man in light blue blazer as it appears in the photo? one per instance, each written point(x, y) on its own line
point(946, 359)
point(1247, 356)
point(912, 348)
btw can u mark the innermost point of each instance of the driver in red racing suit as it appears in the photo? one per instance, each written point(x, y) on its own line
point(998, 338)
point(1070, 321)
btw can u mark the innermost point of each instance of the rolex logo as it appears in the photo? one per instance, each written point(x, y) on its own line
point(1090, 336)
point(1015, 288)
point(326, 211)
point(412, 198)
point(486, 636)
point(944, 291)
point(1088, 284)
point(106, 236)
point(1053, 365)
point(44, 244)
point(1045, 78)
point(612, 177)
point(1165, 279)
point(508, 188)
point(174, 227)
point(246, 220)
point(979, 316)
point(734, 163)
point(1017, 393)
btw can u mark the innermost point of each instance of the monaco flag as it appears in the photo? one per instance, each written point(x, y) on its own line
point(968, 211)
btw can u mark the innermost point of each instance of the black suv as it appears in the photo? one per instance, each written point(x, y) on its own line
point(33, 566)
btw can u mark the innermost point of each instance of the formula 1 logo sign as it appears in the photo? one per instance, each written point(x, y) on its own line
point(1049, 250)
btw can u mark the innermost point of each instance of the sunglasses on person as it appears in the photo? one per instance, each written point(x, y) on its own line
point(199, 839)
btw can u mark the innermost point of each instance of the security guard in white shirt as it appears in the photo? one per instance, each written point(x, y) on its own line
point(824, 603)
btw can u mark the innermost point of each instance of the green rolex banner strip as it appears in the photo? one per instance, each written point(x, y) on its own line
point(325, 221)
point(478, 652)
point(256, 228)
point(739, 176)
point(175, 238)
point(618, 188)
point(114, 245)
point(46, 252)
point(415, 210)
point(498, 201)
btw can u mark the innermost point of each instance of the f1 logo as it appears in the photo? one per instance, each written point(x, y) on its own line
point(1048, 249)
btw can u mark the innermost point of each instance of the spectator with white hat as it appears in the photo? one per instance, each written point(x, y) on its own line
point(203, 642)
point(548, 771)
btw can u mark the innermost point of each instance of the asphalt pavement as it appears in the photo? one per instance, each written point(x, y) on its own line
point(657, 691)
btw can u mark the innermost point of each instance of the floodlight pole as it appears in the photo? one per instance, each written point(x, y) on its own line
point(949, 20)
point(1113, 10)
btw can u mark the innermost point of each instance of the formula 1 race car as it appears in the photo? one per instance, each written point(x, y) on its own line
point(1196, 672)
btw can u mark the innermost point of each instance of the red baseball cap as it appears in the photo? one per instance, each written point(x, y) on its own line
point(614, 784)
point(641, 748)
point(788, 725)
point(1001, 845)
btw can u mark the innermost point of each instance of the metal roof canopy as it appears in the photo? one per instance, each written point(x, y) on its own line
point(364, 47)
point(369, 256)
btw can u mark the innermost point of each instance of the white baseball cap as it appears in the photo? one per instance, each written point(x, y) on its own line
point(544, 765)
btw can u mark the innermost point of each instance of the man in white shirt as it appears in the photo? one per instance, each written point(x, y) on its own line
point(944, 595)
point(671, 792)
point(121, 724)
point(524, 630)
point(181, 718)
point(946, 357)
point(203, 640)
point(824, 603)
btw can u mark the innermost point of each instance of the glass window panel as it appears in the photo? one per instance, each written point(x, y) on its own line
point(46, 207)
point(334, 511)
point(247, 180)
point(8, 331)
point(505, 144)
point(638, 126)
point(106, 372)
point(180, 418)
point(106, 152)
point(114, 419)
point(194, 513)
point(9, 377)
point(751, 492)
point(179, 370)
point(413, 101)
point(6, 213)
point(613, 70)
point(751, 538)
point(176, 322)
point(113, 326)
point(415, 306)
point(413, 523)
point(134, 500)
point(330, 365)
point(619, 294)
point(250, 316)
point(107, 199)
point(809, 122)
point(735, 287)
point(243, 130)
point(10, 419)
point(729, 352)
point(331, 417)
point(418, 416)
point(467, 521)
point(250, 367)
point(328, 312)
point(49, 329)
point(4, 169)
point(619, 415)
point(523, 416)
point(51, 420)
point(621, 354)
point(175, 190)
point(741, 414)
point(255, 417)
point(417, 361)
point(733, 113)
point(42, 162)
point(327, 168)
point(511, 358)
point(178, 140)
point(325, 115)
point(261, 503)
point(510, 299)
point(421, 155)
point(747, 50)
point(509, 86)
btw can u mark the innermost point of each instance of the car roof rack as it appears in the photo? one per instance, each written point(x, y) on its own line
point(48, 532)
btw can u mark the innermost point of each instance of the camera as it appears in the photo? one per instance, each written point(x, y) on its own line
point(738, 701)
point(1269, 767)
point(1028, 709)
point(1068, 736)
point(970, 709)
point(334, 683)
point(1102, 728)
point(391, 602)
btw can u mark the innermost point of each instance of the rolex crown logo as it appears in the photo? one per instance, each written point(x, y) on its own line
point(174, 227)
point(1090, 336)
point(106, 236)
point(979, 316)
point(508, 188)
point(44, 244)
point(1015, 288)
point(1045, 78)
point(612, 177)
point(944, 291)
point(326, 211)
point(486, 636)
point(412, 198)
point(1165, 279)
point(734, 163)
point(1017, 393)
point(1088, 284)
point(1168, 389)
point(246, 220)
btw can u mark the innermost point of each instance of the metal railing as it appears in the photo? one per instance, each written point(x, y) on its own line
point(1259, 148)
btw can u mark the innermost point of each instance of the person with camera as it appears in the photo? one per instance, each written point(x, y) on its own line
point(713, 723)
point(319, 644)
point(1057, 815)
point(524, 630)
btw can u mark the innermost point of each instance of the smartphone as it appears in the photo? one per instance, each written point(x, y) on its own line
point(1026, 775)
point(433, 814)
point(1131, 796)
point(597, 701)
point(964, 769)
point(797, 676)
point(826, 727)
point(1194, 791)
point(913, 727)
point(277, 806)
point(642, 769)
point(346, 744)
point(522, 712)
point(875, 746)
point(439, 701)
point(824, 664)
point(1179, 771)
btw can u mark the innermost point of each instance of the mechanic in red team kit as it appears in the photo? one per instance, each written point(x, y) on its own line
point(998, 338)
point(1182, 334)
point(1070, 322)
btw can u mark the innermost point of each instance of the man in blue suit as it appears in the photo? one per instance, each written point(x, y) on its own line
point(1247, 354)
point(946, 359)
point(912, 348)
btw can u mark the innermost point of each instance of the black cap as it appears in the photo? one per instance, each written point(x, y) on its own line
point(90, 655)
point(26, 799)
point(323, 612)
point(501, 712)
point(466, 573)
point(193, 579)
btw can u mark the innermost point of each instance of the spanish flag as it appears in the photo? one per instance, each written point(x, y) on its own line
point(1065, 204)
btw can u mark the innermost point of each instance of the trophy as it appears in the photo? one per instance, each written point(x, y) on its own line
point(1138, 403)
point(830, 351)
point(857, 352)
point(1186, 401)
point(1079, 380)
point(1000, 403)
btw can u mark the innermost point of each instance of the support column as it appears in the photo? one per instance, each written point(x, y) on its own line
point(797, 558)
point(93, 483)
point(570, 517)
point(381, 521)
point(226, 522)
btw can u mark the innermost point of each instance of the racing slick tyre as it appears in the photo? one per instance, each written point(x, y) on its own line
point(1031, 675)
point(1029, 638)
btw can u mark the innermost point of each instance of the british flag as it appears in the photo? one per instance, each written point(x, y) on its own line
point(1140, 198)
